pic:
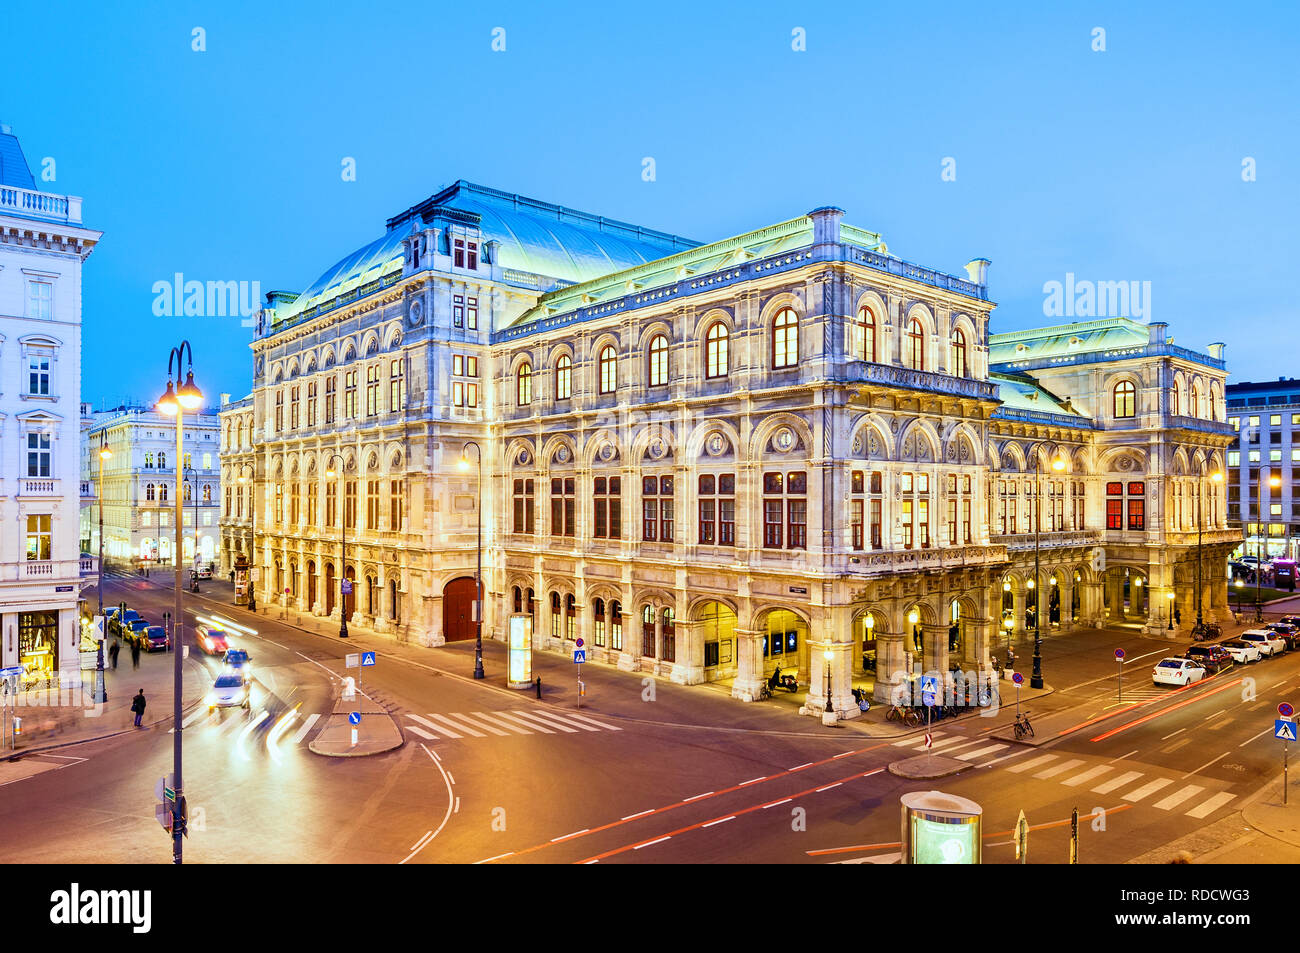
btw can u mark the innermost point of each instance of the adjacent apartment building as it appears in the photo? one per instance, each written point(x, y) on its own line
point(785, 449)
point(43, 244)
point(1265, 415)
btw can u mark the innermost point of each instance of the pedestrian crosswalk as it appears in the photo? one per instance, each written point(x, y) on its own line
point(232, 722)
point(457, 726)
point(1131, 786)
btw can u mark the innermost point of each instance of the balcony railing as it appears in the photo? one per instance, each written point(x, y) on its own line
point(1049, 539)
point(89, 565)
point(943, 557)
point(30, 487)
point(38, 567)
point(1201, 425)
point(890, 375)
point(57, 208)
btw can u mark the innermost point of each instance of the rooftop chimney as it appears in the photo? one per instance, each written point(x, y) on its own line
point(1216, 350)
point(1156, 332)
point(826, 224)
point(978, 271)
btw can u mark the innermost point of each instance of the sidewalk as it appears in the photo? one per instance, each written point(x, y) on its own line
point(60, 718)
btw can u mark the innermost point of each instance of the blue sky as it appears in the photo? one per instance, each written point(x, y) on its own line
point(1116, 165)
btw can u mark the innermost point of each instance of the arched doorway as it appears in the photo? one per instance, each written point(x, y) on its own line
point(717, 623)
point(785, 643)
point(956, 630)
point(311, 584)
point(458, 609)
point(330, 588)
point(372, 595)
point(350, 600)
point(867, 627)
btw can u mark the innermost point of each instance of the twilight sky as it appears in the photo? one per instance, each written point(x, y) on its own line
point(1122, 165)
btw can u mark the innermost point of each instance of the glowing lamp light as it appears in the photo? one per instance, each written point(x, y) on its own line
point(871, 622)
point(329, 473)
point(167, 403)
point(463, 463)
point(1058, 464)
point(1137, 582)
point(105, 453)
point(1051, 580)
point(1008, 623)
point(1216, 477)
point(1030, 584)
point(189, 396)
point(827, 655)
point(913, 617)
point(1170, 596)
point(1006, 585)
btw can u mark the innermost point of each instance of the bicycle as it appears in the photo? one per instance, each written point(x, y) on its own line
point(1023, 727)
point(764, 693)
point(905, 714)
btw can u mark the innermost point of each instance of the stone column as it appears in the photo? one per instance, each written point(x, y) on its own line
point(1019, 606)
point(381, 620)
point(749, 664)
point(689, 668)
point(934, 660)
point(891, 666)
point(979, 632)
point(1092, 612)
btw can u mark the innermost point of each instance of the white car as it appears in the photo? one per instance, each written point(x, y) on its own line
point(1241, 652)
point(1269, 642)
point(229, 691)
point(1177, 671)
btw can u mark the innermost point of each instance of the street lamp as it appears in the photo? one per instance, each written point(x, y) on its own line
point(1170, 611)
point(101, 691)
point(174, 403)
point(1239, 585)
point(478, 572)
point(252, 533)
point(1273, 481)
point(194, 492)
point(827, 656)
point(913, 618)
point(870, 623)
point(1216, 477)
point(1058, 464)
point(343, 545)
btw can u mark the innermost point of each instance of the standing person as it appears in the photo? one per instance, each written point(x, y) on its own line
point(112, 653)
point(135, 654)
point(137, 706)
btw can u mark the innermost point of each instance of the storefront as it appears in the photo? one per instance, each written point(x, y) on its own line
point(38, 647)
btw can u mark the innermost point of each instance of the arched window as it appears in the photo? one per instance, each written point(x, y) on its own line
point(187, 494)
point(162, 461)
point(1194, 405)
point(524, 385)
point(563, 378)
point(716, 358)
point(864, 335)
point(914, 352)
point(1125, 404)
point(556, 631)
point(785, 339)
point(519, 600)
point(1175, 399)
point(162, 492)
point(608, 369)
point(957, 365)
point(149, 491)
point(598, 621)
point(570, 617)
point(207, 493)
point(669, 642)
point(658, 370)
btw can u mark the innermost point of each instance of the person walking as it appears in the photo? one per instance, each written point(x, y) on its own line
point(112, 653)
point(135, 654)
point(137, 706)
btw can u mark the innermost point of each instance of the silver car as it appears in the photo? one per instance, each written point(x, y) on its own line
point(228, 691)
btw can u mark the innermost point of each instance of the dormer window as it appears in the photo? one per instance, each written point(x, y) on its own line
point(465, 253)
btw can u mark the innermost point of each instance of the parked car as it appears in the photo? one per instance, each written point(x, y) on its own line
point(1239, 570)
point(1213, 658)
point(122, 621)
point(1288, 631)
point(229, 691)
point(1241, 651)
point(211, 639)
point(1177, 671)
point(203, 572)
point(155, 639)
point(134, 632)
point(1270, 643)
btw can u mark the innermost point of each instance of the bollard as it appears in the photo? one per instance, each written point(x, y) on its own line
point(539, 686)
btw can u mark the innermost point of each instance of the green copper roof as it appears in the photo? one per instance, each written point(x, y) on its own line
point(1020, 392)
point(1081, 337)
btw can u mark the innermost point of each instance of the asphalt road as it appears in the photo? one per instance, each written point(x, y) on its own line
point(490, 775)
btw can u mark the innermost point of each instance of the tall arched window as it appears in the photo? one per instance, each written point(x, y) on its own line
point(162, 492)
point(608, 369)
point(1194, 405)
point(658, 370)
point(785, 339)
point(864, 335)
point(957, 365)
point(162, 461)
point(1125, 403)
point(148, 491)
point(563, 378)
point(524, 385)
point(717, 359)
point(914, 353)
point(1175, 399)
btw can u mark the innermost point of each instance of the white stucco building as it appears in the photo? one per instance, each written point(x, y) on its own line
point(43, 245)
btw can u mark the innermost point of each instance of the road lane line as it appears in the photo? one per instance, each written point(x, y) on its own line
point(457, 808)
point(753, 780)
point(1087, 776)
point(1206, 808)
point(1165, 711)
point(556, 840)
point(509, 853)
point(650, 843)
point(1253, 737)
point(1178, 797)
point(828, 787)
point(844, 754)
point(433, 726)
point(194, 716)
point(722, 821)
point(687, 800)
point(1206, 765)
point(800, 767)
point(449, 726)
point(306, 727)
point(642, 814)
point(1041, 759)
point(446, 817)
point(427, 835)
point(1106, 787)
point(504, 724)
point(1172, 733)
point(1058, 769)
point(775, 803)
point(1151, 787)
point(1122, 757)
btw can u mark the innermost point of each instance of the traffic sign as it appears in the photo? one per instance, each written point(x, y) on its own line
point(929, 683)
point(580, 655)
point(1119, 654)
point(98, 628)
point(1284, 729)
point(163, 817)
point(367, 659)
point(929, 740)
point(927, 699)
point(354, 718)
point(351, 661)
point(1285, 710)
point(580, 643)
point(1017, 678)
point(11, 671)
point(347, 587)
point(165, 788)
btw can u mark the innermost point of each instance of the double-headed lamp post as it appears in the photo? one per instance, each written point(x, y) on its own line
point(1058, 464)
point(478, 572)
point(174, 403)
point(343, 540)
point(252, 532)
point(101, 692)
point(1273, 480)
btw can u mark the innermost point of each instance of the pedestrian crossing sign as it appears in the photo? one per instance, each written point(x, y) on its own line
point(1284, 729)
point(580, 655)
point(367, 658)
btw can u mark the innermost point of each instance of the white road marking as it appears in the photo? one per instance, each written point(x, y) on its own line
point(554, 718)
point(1208, 807)
point(478, 724)
point(193, 717)
point(802, 766)
point(509, 853)
point(843, 754)
point(1087, 776)
point(434, 727)
point(1206, 765)
point(1178, 797)
point(1172, 733)
point(981, 751)
point(535, 727)
point(1126, 778)
point(828, 787)
point(1151, 787)
point(775, 803)
point(1253, 737)
point(556, 840)
point(650, 843)
point(420, 732)
point(420, 842)
point(642, 814)
point(573, 715)
point(1058, 769)
point(1122, 757)
point(753, 780)
point(306, 727)
point(446, 817)
point(545, 721)
point(696, 797)
point(720, 821)
point(504, 724)
point(450, 725)
point(457, 809)
point(1041, 759)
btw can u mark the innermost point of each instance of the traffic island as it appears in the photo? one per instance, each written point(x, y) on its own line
point(356, 728)
point(927, 766)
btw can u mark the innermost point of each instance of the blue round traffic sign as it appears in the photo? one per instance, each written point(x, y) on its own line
point(1285, 710)
point(1017, 678)
point(1119, 654)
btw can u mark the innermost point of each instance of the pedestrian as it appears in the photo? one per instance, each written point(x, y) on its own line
point(1178, 616)
point(112, 653)
point(135, 654)
point(232, 577)
point(137, 706)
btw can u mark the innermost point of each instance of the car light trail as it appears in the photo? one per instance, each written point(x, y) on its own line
point(1163, 711)
point(276, 733)
point(239, 742)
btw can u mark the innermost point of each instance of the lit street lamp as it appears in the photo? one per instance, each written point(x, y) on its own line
point(1170, 612)
point(174, 403)
point(478, 572)
point(343, 543)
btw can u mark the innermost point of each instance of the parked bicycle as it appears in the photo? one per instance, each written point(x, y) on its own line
point(1023, 727)
point(904, 714)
